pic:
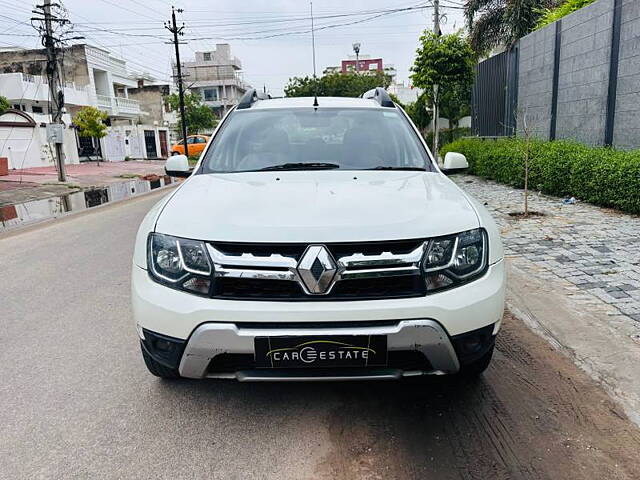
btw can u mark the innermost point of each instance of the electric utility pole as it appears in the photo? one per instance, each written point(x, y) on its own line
point(56, 94)
point(173, 28)
point(436, 100)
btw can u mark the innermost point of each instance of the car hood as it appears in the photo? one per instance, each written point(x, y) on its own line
point(316, 206)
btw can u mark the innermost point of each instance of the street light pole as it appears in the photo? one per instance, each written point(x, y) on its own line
point(356, 49)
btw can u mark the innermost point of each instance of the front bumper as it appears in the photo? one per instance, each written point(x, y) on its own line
point(177, 314)
point(196, 330)
point(212, 339)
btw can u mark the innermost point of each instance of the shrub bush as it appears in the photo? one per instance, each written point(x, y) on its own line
point(447, 135)
point(598, 175)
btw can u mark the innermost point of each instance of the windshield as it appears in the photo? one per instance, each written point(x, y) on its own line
point(301, 139)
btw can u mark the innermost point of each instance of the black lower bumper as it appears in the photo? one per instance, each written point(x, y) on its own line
point(163, 349)
point(473, 345)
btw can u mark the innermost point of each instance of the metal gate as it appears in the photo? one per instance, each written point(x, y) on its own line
point(150, 143)
point(495, 95)
point(163, 144)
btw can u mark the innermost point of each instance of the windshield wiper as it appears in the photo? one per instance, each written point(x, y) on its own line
point(303, 166)
point(386, 167)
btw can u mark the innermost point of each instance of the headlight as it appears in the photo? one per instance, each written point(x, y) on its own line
point(455, 259)
point(179, 263)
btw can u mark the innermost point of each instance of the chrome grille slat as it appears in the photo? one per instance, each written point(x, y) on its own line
point(255, 274)
point(384, 259)
point(250, 260)
point(379, 272)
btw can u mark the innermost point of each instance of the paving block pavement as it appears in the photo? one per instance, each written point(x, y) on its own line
point(596, 250)
point(574, 278)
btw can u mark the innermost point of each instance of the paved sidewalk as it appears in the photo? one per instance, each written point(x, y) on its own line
point(42, 182)
point(574, 278)
point(597, 250)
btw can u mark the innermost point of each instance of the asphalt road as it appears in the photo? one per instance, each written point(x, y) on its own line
point(76, 400)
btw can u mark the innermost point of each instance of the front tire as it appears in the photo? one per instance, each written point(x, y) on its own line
point(158, 369)
point(477, 367)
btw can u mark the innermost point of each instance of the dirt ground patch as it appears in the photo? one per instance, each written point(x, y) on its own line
point(533, 415)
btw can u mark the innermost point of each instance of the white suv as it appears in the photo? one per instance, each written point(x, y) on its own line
point(317, 239)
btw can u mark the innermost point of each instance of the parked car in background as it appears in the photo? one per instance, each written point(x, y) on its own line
point(317, 239)
point(196, 145)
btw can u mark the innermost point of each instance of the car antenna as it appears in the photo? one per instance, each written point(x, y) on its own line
point(313, 48)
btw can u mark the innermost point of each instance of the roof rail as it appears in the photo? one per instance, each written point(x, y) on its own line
point(251, 97)
point(381, 96)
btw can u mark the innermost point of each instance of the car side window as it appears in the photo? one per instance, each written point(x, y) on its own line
point(201, 140)
point(191, 141)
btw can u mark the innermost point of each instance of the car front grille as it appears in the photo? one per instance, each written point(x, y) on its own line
point(363, 271)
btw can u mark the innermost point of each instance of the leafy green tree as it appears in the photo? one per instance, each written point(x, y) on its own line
point(445, 60)
point(550, 15)
point(4, 104)
point(419, 112)
point(396, 100)
point(89, 122)
point(199, 117)
point(493, 23)
point(448, 62)
point(455, 103)
point(336, 85)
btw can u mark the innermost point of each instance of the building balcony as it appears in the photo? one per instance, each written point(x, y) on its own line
point(118, 106)
point(20, 86)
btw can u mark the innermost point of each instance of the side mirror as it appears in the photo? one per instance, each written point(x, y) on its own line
point(177, 166)
point(453, 162)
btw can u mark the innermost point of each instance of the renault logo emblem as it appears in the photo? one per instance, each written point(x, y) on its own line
point(317, 269)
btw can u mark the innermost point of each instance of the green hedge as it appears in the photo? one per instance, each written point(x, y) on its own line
point(447, 135)
point(597, 175)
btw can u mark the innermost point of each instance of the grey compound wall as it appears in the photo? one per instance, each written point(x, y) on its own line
point(583, 76)
point(571, 78)
point(627, 118)
point(535, 82)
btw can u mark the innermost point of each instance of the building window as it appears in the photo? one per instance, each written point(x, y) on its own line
point(210, 94)
point(207, 56)
point(36, 109)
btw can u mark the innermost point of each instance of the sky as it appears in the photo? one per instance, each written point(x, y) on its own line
point(271, 38)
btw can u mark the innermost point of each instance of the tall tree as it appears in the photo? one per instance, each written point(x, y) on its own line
point(89, 122)
point(418, 111)
point(502, 22)
point(447, 61)
point(335, 85)
point(199, 117)
point(455, 103)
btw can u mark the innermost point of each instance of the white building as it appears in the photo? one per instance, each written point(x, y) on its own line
point(217, 77)
point(406, 95)
point(94, 78)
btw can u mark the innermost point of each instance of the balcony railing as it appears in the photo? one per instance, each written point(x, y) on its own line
point(125, 104)
point(118, 105)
